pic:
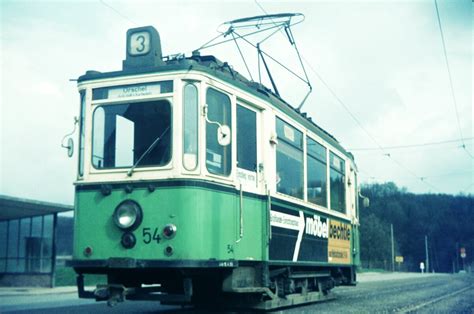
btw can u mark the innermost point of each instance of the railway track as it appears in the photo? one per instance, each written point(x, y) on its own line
point(416, 307)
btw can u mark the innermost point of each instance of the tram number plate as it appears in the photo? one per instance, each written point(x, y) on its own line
point(151, 235)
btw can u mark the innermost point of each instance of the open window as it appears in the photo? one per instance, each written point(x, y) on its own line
point(123, 133)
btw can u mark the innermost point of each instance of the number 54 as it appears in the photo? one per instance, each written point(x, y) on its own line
point(150, 235)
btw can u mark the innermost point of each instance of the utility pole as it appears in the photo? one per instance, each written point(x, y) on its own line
point(457, 256)
point(427, 258)
point(393, 248)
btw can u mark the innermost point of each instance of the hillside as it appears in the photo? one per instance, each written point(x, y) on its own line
point(447, 220)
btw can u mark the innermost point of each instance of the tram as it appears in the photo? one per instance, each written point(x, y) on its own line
point(196, 185)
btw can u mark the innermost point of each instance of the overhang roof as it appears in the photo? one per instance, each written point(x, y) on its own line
point(15, 208)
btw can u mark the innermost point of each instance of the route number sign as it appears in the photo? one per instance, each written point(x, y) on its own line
point(139, 43)
point(143, 48)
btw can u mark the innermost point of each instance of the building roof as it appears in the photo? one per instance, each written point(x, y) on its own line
point(15, 208)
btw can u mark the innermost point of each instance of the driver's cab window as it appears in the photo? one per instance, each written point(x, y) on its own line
point(218, 154)
point(124, 134)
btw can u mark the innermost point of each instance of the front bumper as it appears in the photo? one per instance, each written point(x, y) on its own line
point(142, 263)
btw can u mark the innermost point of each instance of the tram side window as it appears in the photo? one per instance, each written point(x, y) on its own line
point(289, 160)
point(190, 141)
point(356, 190)
point(246, 139)
point(218, 157)
point(337, 173)
point(316, 173)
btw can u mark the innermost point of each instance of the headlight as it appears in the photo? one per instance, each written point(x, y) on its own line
point(128, 215)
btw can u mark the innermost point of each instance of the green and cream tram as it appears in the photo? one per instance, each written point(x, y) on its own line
point(196, 184)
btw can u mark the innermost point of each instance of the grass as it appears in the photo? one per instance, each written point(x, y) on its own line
point(65, 276)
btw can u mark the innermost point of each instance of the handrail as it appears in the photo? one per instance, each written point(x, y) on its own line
point(241, 214)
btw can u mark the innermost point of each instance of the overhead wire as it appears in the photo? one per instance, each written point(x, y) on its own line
point(412, 145)
point(453, 94)
point(468, 187)
point(118, 12)
point(450, 174)
point(379, 146)
point(346, 108)
point(455, 173)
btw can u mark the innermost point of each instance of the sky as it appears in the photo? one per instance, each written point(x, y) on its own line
point(377, 68)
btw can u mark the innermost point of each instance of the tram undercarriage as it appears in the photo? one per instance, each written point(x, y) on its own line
point(259, 287)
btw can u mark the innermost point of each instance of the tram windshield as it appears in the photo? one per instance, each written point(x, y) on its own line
point(123, 133)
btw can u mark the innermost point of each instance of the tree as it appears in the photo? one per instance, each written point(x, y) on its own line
point(375, 242)
point(445, 219)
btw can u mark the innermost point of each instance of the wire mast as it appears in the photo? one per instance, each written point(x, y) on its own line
point(242, 29)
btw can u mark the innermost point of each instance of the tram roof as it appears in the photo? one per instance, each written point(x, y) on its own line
point(222, 70)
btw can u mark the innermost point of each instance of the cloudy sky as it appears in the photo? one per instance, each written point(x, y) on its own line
point(377, 68)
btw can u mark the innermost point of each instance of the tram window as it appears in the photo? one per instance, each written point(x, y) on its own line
point(316, 173)
point(356, 192)
point(190, 141)
point(123, 133)
point(337, 174)
point(81, 132)
point(246, 139)
point(218, 157)
point(289, 160)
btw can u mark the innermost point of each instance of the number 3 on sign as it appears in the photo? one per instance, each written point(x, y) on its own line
point(139, 43)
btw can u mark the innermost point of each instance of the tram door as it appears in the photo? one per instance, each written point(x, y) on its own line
point(247, 147)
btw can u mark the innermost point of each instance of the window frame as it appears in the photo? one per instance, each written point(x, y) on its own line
point(303, 159)
point(197, 86)
point(99, 103)
point(326, 165)
point(82, 135)
point(344, 181)
point(232, 144)
point(257, 142)
point(15, 259)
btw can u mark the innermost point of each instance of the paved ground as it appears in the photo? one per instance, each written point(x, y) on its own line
point(375, 293)
point(367, 277)
point(402, 293)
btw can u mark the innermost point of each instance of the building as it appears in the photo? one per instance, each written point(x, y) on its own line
point(28, 241)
